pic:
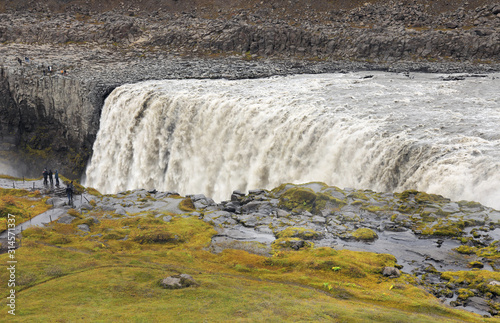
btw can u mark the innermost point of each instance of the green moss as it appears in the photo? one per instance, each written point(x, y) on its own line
point(475, 264)
point(187, 205)
point(323, 199)
point(375, 208)
point(365, 234)
point(424, 198)
point(407, 208)
point(302, 233)
point(93, 191)
point(469, 204)
point(406, 194)
point(297, 198)
point(358, 195)
point(445, 228)
point(291, 244)
point(155, 235)
point(466, 250)
point(464, 293)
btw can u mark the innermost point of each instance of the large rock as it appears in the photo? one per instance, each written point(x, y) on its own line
point(178, 282)
point(391, 272)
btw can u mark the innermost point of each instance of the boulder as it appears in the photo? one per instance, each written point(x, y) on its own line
point(391, 272)
point(120, 211)
point(83, 227)
point(178, 281)
point(237, 196)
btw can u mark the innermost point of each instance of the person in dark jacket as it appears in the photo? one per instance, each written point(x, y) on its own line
point(45, 175)
point(56, 175)
point(51, 178)
point(69, 193)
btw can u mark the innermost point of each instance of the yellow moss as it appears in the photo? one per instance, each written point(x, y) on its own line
point(74, 213)
point(365, 234)
point(297, 198)
point(445, 228)
point(358, 195)
point(424, 198)
point(93, 191)
point(297, 232)
point(291, 243)
point(21, 205)
point(466, 250)
point(187, 205)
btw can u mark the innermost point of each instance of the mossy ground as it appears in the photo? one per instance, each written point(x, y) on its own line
point(112, 274)
point(22, 204)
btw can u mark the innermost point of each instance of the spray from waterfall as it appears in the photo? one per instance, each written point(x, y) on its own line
point(216, 136)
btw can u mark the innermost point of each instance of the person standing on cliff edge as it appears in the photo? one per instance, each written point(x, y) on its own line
point(45, 175)
point(69, 193)
point(56, 175)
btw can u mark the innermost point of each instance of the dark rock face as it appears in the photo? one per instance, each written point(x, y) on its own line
point(47, 116)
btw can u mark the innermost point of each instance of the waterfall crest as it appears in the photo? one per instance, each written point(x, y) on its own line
point(387, 133)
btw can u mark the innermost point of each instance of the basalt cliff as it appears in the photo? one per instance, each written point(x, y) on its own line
point(60, 59)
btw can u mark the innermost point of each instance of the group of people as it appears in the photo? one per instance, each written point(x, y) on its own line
point(49, 176)
point(46, 70)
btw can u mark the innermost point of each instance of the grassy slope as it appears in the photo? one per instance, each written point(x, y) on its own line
point(23, 204)
point(66, 276)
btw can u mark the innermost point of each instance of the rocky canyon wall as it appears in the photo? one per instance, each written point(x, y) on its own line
point(50, 119)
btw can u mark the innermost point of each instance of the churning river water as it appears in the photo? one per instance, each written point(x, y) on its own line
point(389, 132)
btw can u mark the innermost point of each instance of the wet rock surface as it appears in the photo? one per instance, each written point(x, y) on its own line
point(431, 236)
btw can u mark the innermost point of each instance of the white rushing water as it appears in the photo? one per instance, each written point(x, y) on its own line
point(386, 133)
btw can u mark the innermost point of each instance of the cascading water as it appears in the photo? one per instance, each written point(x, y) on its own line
point(386, 133)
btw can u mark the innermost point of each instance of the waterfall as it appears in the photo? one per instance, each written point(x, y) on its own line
point(386, 133)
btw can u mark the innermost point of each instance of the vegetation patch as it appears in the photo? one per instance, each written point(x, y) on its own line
point(23, 204)
point(365, 234)
point(187, 205)
point(298, 199)
point(445, 228)
point(298, 232)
